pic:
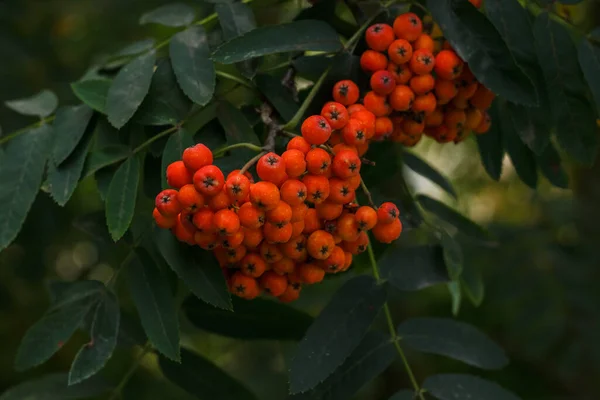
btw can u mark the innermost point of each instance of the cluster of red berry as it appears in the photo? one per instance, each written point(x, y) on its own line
point(419, 85)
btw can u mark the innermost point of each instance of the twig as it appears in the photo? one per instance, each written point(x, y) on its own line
point(252, 161)
point(266, 112)
point(234, 78)
point(289, 82)
point(367, 193)
point(366, 161)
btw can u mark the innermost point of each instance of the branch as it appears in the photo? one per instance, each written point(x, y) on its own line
point(367, 193)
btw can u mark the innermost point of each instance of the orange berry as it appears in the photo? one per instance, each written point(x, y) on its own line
point(435, 118)
point(345, 92)
point(347, 227)
point(203, 220)
point(312, 223)
point(219, 201)
point(226, 222)
point(178, 175)
point(316, 130)
point(317, 188)
point(474, 118)
point(340, 191)
point(292, 293)
point(455, 118)
point(186, 219)
point(372, 61)
point(295, 249)
point(165, 222)
point(233, 241)
point(354, 132)
point(335, 138)
point(237, 186)
point(412, 127)
point(421, 84)
point(354, 181)
point(482, 98)
point(400, 72)
point(297, 228)
point(366, 218)
point(465, 92)
point(299, 212)
point(387, 233)
point(387, 213)
point(355, 108)
point(448, 65)
point(270, 167)
point(476, 3)
point(379, 36)
point(298, 143)
point(273, 283)
point(284, 266)
point(336, 114)
point(182, 233)
point(196, 157)
point(277, 233)
point(247, 174)
point(209, 180)
point(424, 42)
point(357, 246)
point(377, 104)
point(167, 204)
point(310, 273)
point(382, 83)
point(445, 90)
point(329, 210)
point(293, 192)
point(383, 128)
point(402, 98)
point(362, 148)
point(348, 261)
point(425, 103)
point(335, 262)
point(252, 237)
point(368, 119)
point(485, 124)
point(244, 286)
point(408, 26)
point(206, 240)
point(270, 252)
point(422, 62)
point(346, 164)
point(294, 162)
point(264, 195)
point(318, 161)
point(343, 146)
point(400, 51)
point(253, 265)
point(250, 216)
point(280, 215)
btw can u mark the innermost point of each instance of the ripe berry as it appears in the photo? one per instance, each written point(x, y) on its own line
point(250, 216)
point(178, 175)
point(196, 157)
point(336, 114)
point(387, 233)
point(354, 132)
point(402, 98)
point(387, 213)
point(298, 143)
point(366, 218)
point(270, 252)
point(264, 195)
point(277, 234)
point(372, 61)
point(252, 237)
point(226, 222)
point(377, 104)
point(280, 215)
point(340, 191)
point(270, 167)
point(164, 221)
point(357, 246)
point(293, 192)
point(312, 222)
point(209, 180)
point(354, 108)
point(335, 262)
point(484, 125)
point(297, 228)
point(408, 26)
point(482, 98)
point(382, 82)
point(383, 128)
point(295, 249)
point(244, 286)
point(445, 90)
point(316, 130)
point(189, 198)
point(412, 127)
point(400, 51)
point(186, 219)
point(206, 240)
point(273, 283)
point(448, 65)
point(421, 84)
point(299, 212)
point(284, 266)
point(368, 119)
point(318, 161)
point(401, 73)
point(424, 42)
point(425, 103)
point(253, 265)
point(345, 92)
point(455, 118)
point(233, 241)
point(347, 227)
point(329, 210)
point(310, 273)
point(219, 201)
point(435, 118)
point(379, 36)
point(348, 261)
point(346, 164)
point(476, 3)
point(320, 244)
point(317, 188)
point(203, 220)
point(474, 118)
point(292, 292)
point(422, 62)
point(237, 186)
point(182, 233)
point(167, 204)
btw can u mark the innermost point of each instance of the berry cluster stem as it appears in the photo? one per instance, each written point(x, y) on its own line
point(370, 199)
point(222, 151)
point(392, 328)
point(252, 161)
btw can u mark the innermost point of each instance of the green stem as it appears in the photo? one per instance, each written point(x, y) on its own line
point(278, 66)
point(252, 161)
point(234, 78)
point(224, 150)
point(18, 132)
point(357, 35)
point(117, 391)
point(156, 137)
point(306, 103)
point(391, 326)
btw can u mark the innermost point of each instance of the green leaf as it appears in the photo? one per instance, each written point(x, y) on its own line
point(69, 126)
point(550, 165)
point(455, 295)
point(63, 179)
point(128, 89)
point(173, 151)
point(454, 339)
point(422, 168)
point(155, 303)
point(54, 387)
point(311, 67)
point(453, 217)
point(278, 96)
point(92, 356)
point(477, 42)
point(453, 255)
point(404, 395)
point(136, 47)
point(256, 319)
point(589, 60)
point(336, 332)
point(521, 156)
point(530, 125)
point(295, 36)
point(165, 102)
point(413, 268)
point(21, 171)
point(120, 199)
point(197, 268)
point(176, 14)
point(472, 281)
point(57, 325)
point(370, 358)
point(572, 114)
point(490, 146)
point(235, 19)
point(40, 105)
point(465, 387)
point(99, 159)
point(92, 92)
point(202, 379)
point(195, 71)
point(237, 130)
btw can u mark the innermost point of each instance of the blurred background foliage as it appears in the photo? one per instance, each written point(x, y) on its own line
point(542, 281)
